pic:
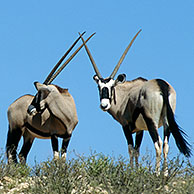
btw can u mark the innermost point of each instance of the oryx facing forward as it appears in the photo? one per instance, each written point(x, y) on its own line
point(140, 105)
point(52, 114)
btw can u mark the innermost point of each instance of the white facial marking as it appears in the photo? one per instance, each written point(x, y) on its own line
point(105, 103)
point(108, 84)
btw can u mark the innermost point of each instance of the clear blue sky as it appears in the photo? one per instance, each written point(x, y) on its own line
point(35, 34)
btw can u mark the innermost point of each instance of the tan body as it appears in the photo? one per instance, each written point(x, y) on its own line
point(140, 105)
point(140, 93)
point(58, 116)
point(51, 113)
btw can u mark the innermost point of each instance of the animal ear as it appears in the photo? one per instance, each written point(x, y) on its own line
point(38, 85)
point(96, 78)
point(121, 78)
point(42, 87)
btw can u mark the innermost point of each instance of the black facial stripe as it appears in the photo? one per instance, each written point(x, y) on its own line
point(112, 90)
point(38, 99)
point(105, 80)
point(104, 93)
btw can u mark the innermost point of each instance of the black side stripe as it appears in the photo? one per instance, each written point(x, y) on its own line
point(36, 131)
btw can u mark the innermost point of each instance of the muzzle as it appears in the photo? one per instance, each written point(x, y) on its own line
point(105, 104)
point(105, 100)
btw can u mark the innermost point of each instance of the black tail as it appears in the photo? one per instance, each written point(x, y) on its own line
point(178, 134)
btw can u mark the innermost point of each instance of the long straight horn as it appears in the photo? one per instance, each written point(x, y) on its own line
point(68, 60)
point(91, 58)
point(60, 61)
point(123, 56)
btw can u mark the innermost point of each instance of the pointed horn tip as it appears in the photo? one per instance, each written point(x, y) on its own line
point(124, 54)
point(81, 34)
point(139, 31)
point(94, 33)
point(84, 33)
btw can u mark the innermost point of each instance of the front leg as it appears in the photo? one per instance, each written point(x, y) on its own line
point(27, 144)
point(138, 140)
point(54, 142)
point(65, 144)
point(128, 135)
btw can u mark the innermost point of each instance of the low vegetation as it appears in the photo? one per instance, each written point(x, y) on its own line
point(96, 173)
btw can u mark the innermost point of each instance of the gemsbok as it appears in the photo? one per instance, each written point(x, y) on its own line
point(51, 114)
point(140, 105)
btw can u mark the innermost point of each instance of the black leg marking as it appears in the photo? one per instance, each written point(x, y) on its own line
point(138, 139)
point(13, 138)
point(128, 135)
point(25, 149)
point(167, 132)
point(54, 142)
point(66, 140)
point(151, 127)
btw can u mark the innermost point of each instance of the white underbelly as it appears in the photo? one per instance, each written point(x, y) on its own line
point(140, 124)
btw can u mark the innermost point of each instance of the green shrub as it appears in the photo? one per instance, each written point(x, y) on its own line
point(96, 173)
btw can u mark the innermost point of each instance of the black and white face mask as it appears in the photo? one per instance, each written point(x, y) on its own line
point(106, 90)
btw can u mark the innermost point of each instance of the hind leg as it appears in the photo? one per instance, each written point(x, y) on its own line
point(165, 145)
point(66, 140)
point(153, 131)
point(13, 138)
point(28, 140)
point(138, 140)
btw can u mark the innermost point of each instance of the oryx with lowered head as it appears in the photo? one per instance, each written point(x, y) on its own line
point(140, 105)
point(51, 114)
